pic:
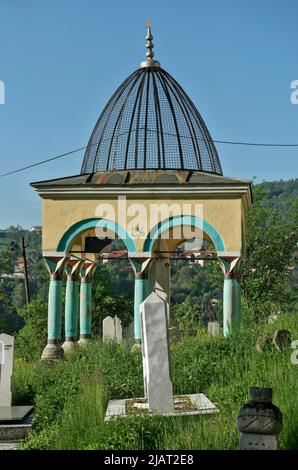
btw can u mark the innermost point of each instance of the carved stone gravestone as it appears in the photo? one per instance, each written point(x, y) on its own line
point(264, 343)
point(213, 328)
point(6, 366)
point(282, 339)
point(112, 329)
point(156, 361)
point(259, 421)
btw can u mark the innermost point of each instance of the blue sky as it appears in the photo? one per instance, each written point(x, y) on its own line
point(61, 60)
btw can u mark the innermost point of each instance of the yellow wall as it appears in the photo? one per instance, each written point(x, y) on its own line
point(59, 215)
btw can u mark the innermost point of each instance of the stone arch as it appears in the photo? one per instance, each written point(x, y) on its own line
point(87, 224)
point(184, 220)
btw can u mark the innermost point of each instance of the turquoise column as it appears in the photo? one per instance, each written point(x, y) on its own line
point(71, 312)
point(231, 304)
point(85, 309)
point(54, 309)
point(53, 349)
point(238, 301)
point(140, 294)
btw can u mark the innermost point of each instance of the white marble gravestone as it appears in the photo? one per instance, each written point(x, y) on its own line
point(213, 328)
point(6, 365)
point(112, 329)
point(156, 361)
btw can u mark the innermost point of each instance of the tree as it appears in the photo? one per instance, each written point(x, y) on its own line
point(107, 301)
point(267, 271)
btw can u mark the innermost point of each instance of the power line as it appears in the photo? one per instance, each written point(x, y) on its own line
point(228, 142)
point(42, 162)
point(258, 144)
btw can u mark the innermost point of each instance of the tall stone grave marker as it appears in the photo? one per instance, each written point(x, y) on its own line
point(156, 361)
point(6, 365)
point(112, 329)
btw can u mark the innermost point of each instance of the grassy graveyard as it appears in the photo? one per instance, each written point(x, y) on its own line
point(71, 395)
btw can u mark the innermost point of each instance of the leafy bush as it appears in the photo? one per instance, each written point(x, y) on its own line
point(32, 338)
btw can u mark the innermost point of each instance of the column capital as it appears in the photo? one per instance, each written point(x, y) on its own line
point(72, 268)
point(230, 266)
point(55, 264)
point(140, 265)
point(87, 270)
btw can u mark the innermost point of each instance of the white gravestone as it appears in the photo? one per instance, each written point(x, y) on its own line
point(155, 349)
point(112, 329)
point(129, 331)
point(6, 366)
point(213, 328)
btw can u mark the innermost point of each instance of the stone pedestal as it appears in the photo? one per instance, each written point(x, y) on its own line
point(70, 344)
point(84, 339)
point(53, 350)
point(259, 421)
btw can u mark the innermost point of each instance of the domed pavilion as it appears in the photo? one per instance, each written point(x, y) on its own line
point(150, 176)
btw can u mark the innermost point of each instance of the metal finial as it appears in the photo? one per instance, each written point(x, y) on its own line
point(149, 62)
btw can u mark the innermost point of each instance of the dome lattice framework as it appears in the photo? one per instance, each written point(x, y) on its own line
point(150, 123)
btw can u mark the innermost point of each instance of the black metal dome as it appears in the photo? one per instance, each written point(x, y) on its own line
point(150, 123)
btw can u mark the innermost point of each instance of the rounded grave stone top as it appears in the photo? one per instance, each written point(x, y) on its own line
point(282, 339)
point(260, 395)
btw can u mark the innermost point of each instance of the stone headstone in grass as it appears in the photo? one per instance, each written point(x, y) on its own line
point(155, 351)
point(264, 343)
point(112, 329)
point(6, 366)
point(129, 331)
point(213, 328)
point(259, 421)
point(282, 339)
point(174, 334)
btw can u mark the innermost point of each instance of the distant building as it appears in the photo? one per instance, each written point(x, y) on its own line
point(20, 265)
point(36, 228)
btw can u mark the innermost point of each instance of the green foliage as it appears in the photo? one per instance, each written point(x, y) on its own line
point(189, 318)
point(31, 339)
point(107, 301)
point(278, 195)
point(196, 291)
point(70, 395)
point(268, 268)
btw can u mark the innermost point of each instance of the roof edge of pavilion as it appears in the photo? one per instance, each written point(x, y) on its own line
point(171, 184)
point(140, 178)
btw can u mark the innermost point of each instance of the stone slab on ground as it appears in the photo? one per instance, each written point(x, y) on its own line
point(16, 431)
point(9, 445)
point(14, 414)
point(200, 404)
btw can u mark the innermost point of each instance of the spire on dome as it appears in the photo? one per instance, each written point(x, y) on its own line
point(149, 62)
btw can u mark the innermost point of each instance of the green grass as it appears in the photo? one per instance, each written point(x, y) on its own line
point(71, 395)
